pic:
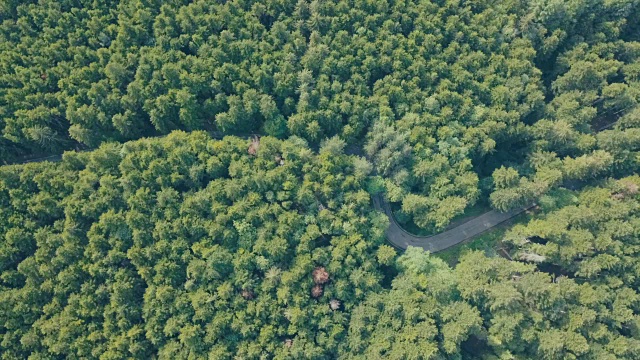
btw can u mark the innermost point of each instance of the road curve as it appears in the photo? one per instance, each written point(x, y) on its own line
point(399, 238)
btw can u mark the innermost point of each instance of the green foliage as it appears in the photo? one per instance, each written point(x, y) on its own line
point(453, 78)
point(529, 314)
point(421, 317)
point(592, 237)
point(184, 247)
point(437, 88)
point(590, 242)
point(508, 309)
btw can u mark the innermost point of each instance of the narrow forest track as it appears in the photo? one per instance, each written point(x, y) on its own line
point(56, 158)
point(401, 239)
point(52, 158)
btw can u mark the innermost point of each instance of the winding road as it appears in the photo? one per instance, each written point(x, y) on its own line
point(401, 239)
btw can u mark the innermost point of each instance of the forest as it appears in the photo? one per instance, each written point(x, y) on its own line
point(195, 179)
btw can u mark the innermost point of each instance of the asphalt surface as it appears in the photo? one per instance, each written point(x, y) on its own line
point(400, 238)
point(465, 231)
point(396, 235)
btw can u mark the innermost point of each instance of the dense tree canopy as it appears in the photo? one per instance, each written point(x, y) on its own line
point(494, 308)
point(458, 80)
point(589, 241)
point(421, 317)
point(590, 57)
point(218, 203)
point(184, 247)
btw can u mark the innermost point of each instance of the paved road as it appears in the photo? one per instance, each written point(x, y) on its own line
point(399, 238)
point(402, 239)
